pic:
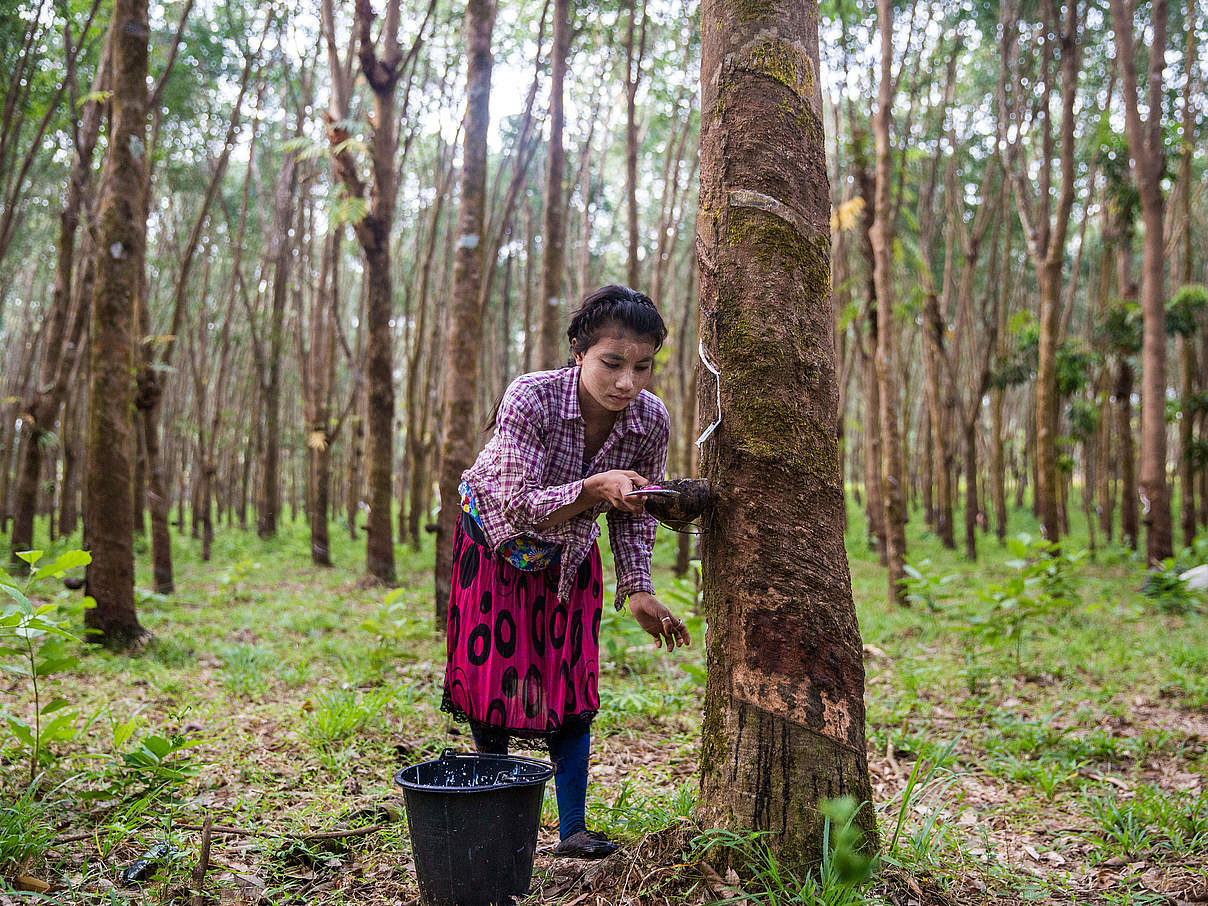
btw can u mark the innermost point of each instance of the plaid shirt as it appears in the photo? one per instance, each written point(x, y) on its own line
point(534, 465)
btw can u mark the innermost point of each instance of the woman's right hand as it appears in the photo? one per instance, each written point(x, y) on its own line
point(612, 486)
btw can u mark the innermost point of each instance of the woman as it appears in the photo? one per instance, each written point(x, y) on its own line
point(526, 602)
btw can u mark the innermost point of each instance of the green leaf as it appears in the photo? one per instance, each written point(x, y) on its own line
point(55, 704)
point(16, 594)
point(30, 557)
point(60, 729)
point(122, 732)
point(20, 729)
point(15, 669)
point(69, 560)
point(51, 665)
point(349, 210)
point(157, 746)
point(297, 143)
point(100, 97)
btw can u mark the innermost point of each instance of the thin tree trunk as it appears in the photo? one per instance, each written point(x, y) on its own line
point(633, 73)
point(553, 229)
point(269, 509)
point(998, 487)
point(1145, 144)
point(464, 333)
point(1129, 529)
point(881, 236)
point(122, 233)
point(1188, 366)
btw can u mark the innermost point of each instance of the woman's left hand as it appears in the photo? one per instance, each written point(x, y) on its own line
point(657, 620)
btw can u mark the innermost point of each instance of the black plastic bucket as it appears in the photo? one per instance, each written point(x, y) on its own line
point(473, 822)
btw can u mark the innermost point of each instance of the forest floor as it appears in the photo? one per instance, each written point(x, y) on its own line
point(1057, 748)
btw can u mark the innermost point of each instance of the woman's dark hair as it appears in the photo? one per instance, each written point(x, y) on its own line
point(612, 304)
point(615, 304)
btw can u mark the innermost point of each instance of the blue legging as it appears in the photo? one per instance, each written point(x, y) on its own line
point(569, 753)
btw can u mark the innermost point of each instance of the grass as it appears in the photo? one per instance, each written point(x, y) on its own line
point(300, 691)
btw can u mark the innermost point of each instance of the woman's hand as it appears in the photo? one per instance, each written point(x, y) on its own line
point(658, 621)
point(612, 486)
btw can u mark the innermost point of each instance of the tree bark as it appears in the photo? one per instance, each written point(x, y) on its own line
point(122, 234)
point(1145, 145)
point(373, 232)
point(464, 332)
point(881, 236)
point(553, 229)
point(784, 713)
point(269, 503)
point(1044, 230)
point(1188, 366)
point(64, 328)
point(633, 72)
point(1129, 530)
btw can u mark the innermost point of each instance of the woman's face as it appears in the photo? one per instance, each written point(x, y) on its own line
point(615, 369)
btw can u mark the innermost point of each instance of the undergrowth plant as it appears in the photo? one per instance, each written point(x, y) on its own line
point(926, 790)
point(1166, 588)
point(1041, 588)
point(340, 715)
point(35, 644)
point(845, 866)
point(25, 832)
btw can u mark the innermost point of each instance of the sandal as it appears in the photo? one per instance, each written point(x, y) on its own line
point(585, 844)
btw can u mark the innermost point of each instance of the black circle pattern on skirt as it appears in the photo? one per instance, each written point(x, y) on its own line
point(484, 603)
point(537, 624)
point(505, 634)
point(576, 638)
point(557, 627)
point(479, 645)
point(469, 565)
point(510, 682)
point(532, 692)
point(497, 713)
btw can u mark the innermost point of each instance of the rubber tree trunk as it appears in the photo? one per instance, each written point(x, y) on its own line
point(874, 506)
point(972, 507)
point(269, 509)
point(122, 236)
point(147, 405)
point(998, 469)
point(633, 71)
point(1126, 454)
point(941, 455)
point(64, 334)
point(1046, 408)
point(553, 250)
point(784, 712)
point(464, 332)
point(379, 546)
point(1147, 149)
point(880, 235)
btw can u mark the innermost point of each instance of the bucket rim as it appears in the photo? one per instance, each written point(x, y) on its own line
point(545, 772)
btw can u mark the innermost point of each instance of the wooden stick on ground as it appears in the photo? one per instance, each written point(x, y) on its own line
point(321, 835)
point(249, 832)
point(203, 863)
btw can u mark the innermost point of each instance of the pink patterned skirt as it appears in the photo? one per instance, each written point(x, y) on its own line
point(518, 659)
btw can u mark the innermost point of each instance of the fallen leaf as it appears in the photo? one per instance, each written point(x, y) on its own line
point(1031, 851)
point(28, 882)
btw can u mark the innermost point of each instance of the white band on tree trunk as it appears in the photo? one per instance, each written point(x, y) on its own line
point(717, 377)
